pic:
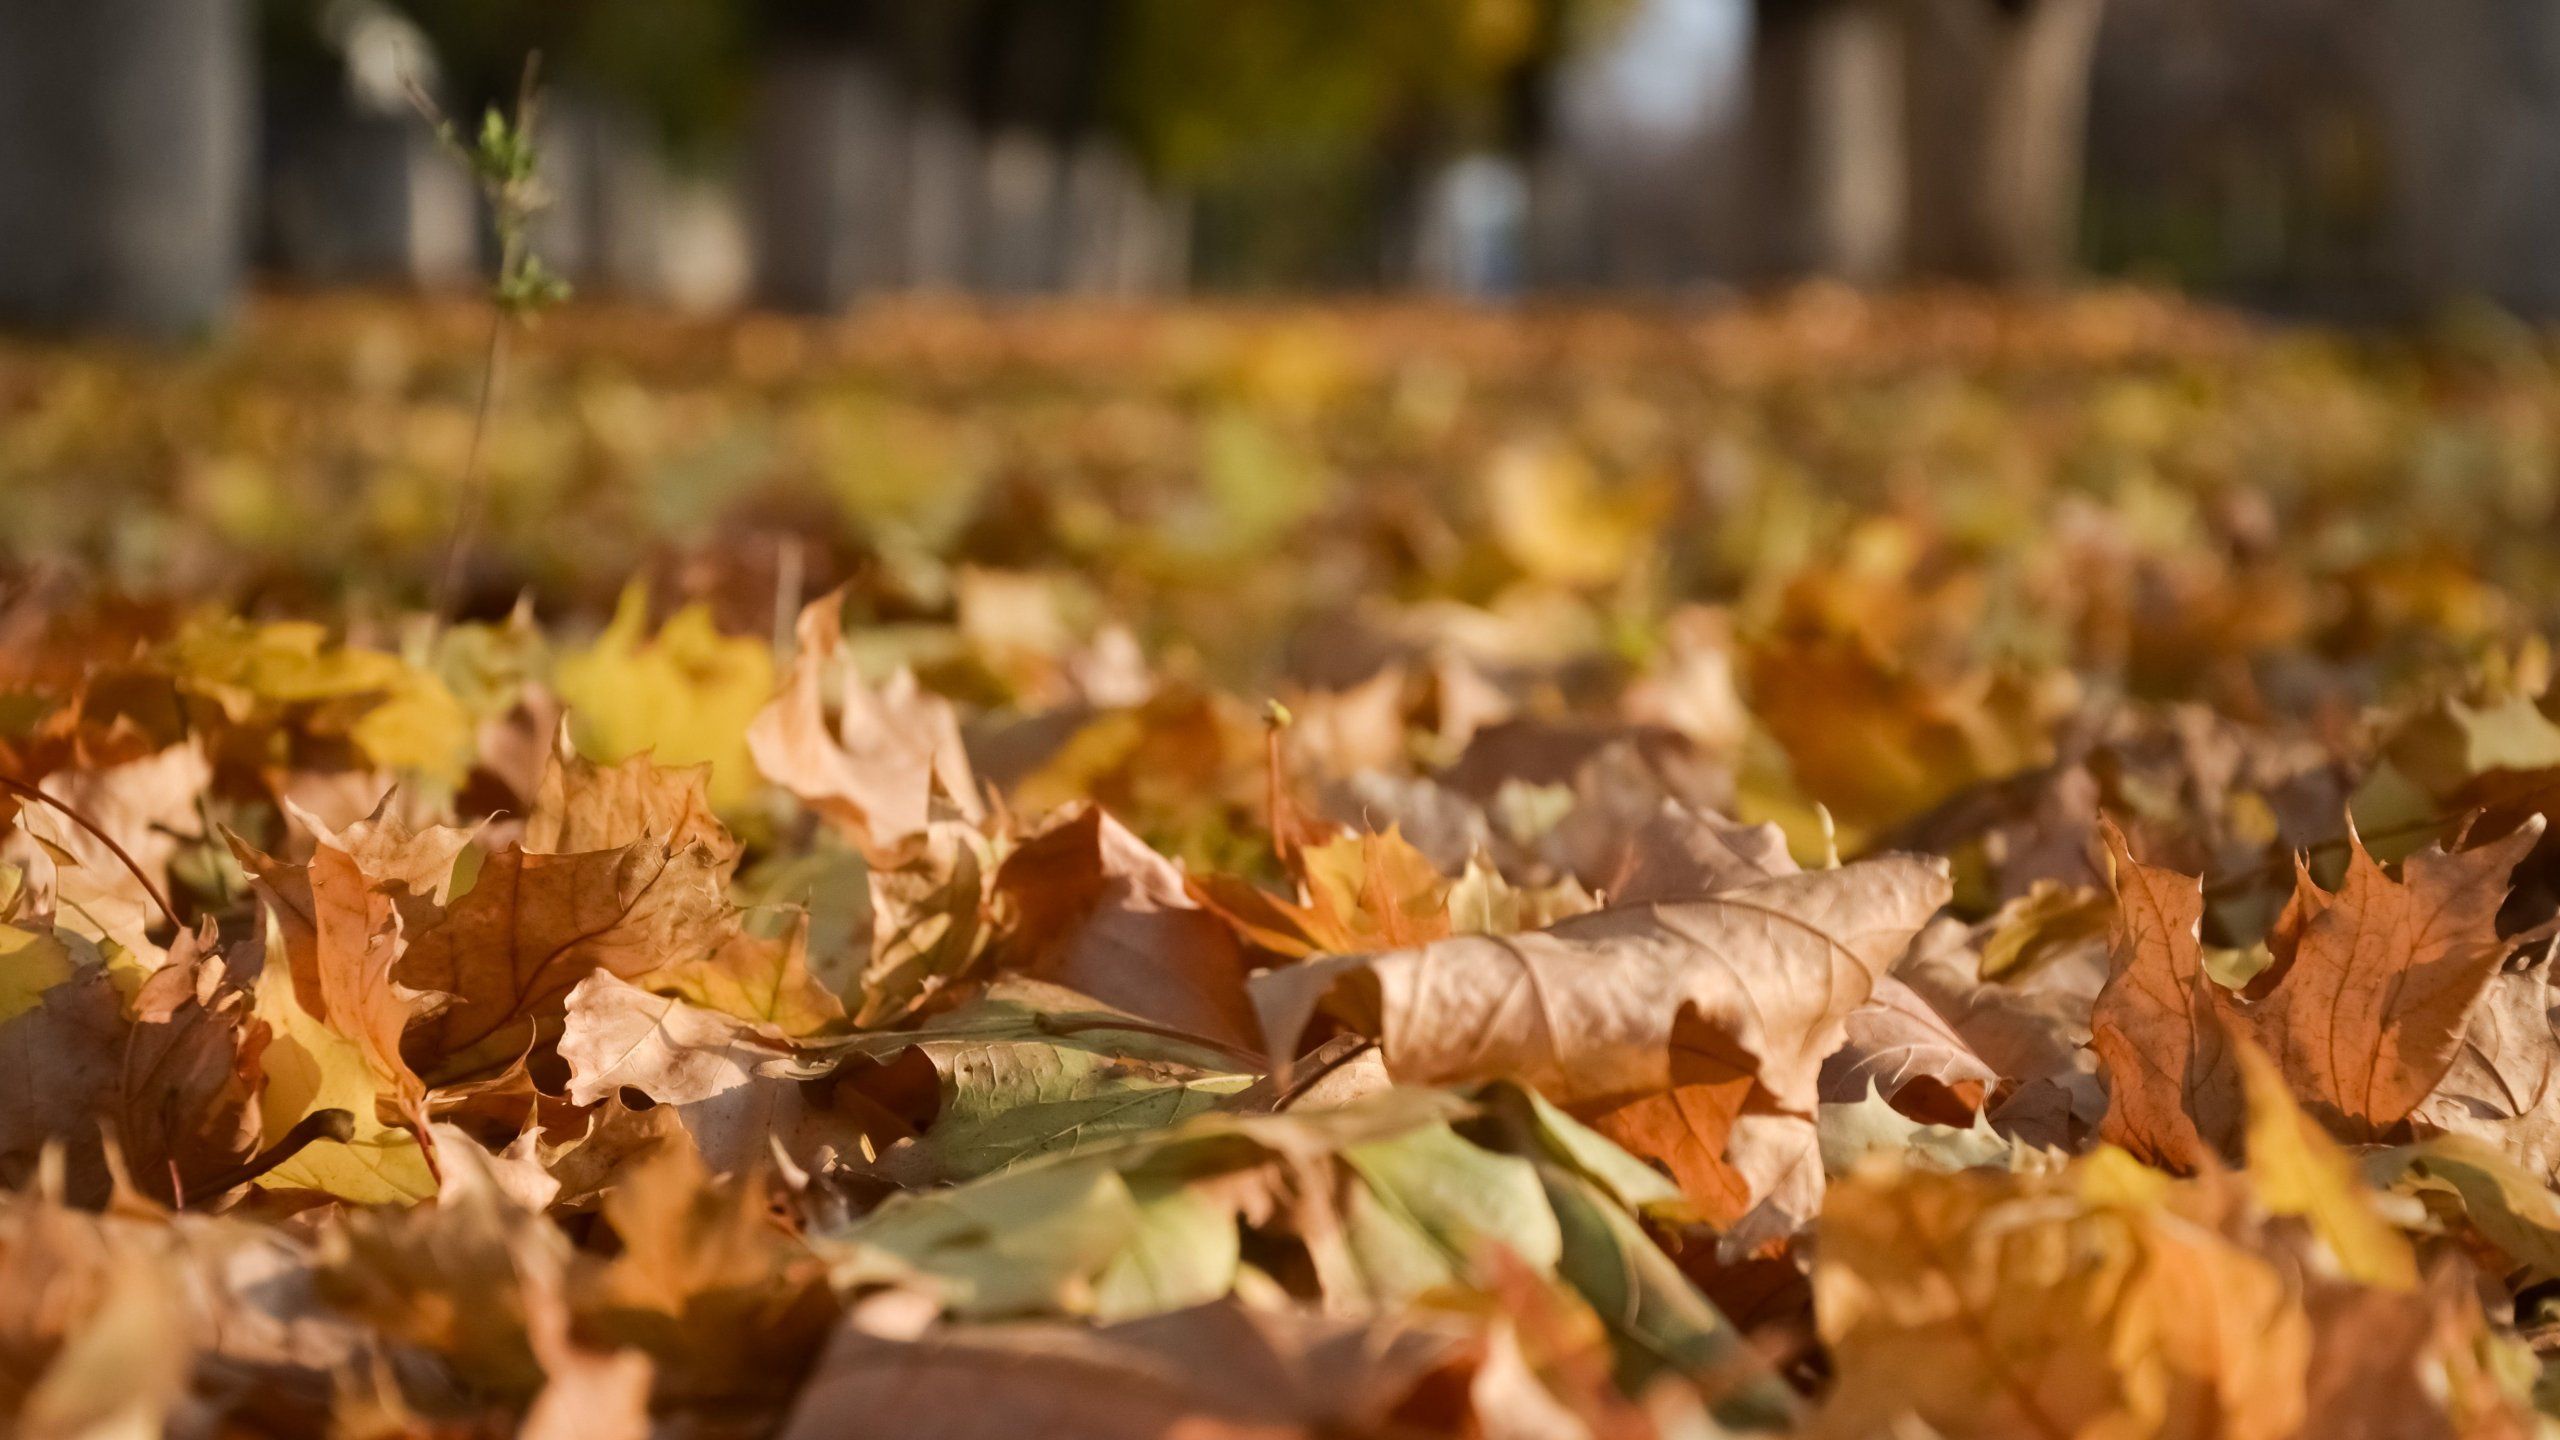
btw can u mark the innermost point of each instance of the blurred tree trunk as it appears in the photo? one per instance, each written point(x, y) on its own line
point(124, 162)
point(2471, 91)
point(1826, 137)
point(829, 180)
point(1999, 95)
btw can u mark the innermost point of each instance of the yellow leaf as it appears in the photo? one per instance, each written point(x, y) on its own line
point(405, 718)
point(31, 962)
point(1552, 519)
point(2298, 1170)
point(1984, 1304)
point(685, 694)
point(309, 1068)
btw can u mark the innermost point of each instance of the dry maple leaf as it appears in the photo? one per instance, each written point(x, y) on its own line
point(876, 773)
point(1896, 1043)
point(2364, 1007)
point(2373, 986)
point(1101, 914)
point(617, 1034)
point(532, 926)
point(1586, 1009)
point(1221, 1371)
point(582, 805)
point(344, 934)
point(1668, 1026)
point(1994, 1305)
point(186, 1111)
point(2506, 1072)
point(1362, 892)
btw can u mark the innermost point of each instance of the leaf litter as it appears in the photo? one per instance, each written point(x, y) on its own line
point(1571, 936)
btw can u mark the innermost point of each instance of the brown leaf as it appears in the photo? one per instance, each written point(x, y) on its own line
point(1587, 1010)
point(582, 806)
point(1897, 1043)
point(2505, 1075)
point(2159, 1027)
point(149, 807)
point(1216, 1372)
point(186, 1110)
point(1100, 913)
point(877, 772)
point(1675, 853)
point(2365, 1009)
point(928, 921)
point(2367, 1001)
point(1666, 1026)
point(617, 1034)
point(344, 934)
point(532, 926)
point(59, 1066)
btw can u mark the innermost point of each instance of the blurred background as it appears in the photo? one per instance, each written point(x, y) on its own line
point(2341, 158)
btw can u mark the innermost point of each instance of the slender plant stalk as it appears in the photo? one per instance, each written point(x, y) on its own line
point(25, 791)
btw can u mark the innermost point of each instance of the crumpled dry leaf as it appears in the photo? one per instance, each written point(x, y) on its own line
point(148, 806)
point(1989, 1304)
point(1587, 1009)
point(928, 921)
point(186, 1113)
point(891, 752)
point(2505, 1075)
point(1098, 912)
point(1666, 1024)
point(616, 1034)
point(1901, 1047)
point(1220, 1371)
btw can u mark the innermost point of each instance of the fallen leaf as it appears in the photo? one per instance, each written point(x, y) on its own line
point(510, 949)
point(1988, 1304)
point(1219, 1371)
point(1587, 1010)
point(877, 772)
point(1099, 913)
point(687, 694)
point(1902, 1048)
point(2368, 998)
point(616, 1034)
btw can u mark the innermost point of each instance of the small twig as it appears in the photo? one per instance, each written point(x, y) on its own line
point(25, 791)
point(501, 160)
point(473, 497)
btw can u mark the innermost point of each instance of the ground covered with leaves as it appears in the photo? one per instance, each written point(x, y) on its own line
point(1848, 868)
